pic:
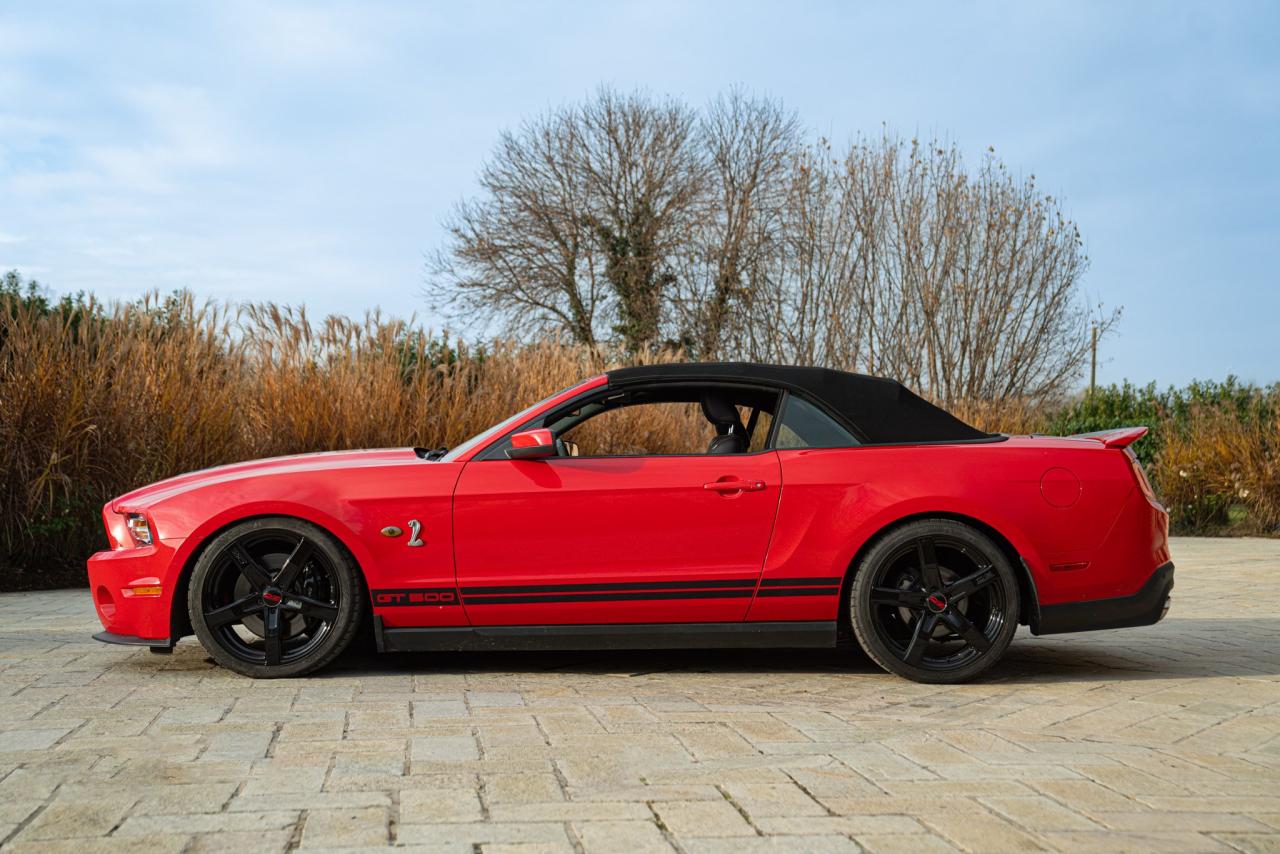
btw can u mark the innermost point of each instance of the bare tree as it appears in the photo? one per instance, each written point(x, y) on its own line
point(748, 143)
point(898, 261)
point(636, 222)
point(579, 215)
point(522, 252)
point(641, 164)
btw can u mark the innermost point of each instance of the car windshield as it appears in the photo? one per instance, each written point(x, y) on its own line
point(497, 429)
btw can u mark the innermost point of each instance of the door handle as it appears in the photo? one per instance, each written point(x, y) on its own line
point(734, 485)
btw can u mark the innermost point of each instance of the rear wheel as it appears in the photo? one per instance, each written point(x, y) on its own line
point(935, 601)
point(274, 597)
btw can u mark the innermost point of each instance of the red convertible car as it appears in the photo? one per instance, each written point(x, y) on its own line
point(783, 507)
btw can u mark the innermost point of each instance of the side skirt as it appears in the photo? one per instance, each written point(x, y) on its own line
point(160, 646)
point(608, 637)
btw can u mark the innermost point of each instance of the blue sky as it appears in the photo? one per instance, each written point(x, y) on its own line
point(307, 152)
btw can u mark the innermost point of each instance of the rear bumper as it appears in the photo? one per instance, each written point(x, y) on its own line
point(1144, 608)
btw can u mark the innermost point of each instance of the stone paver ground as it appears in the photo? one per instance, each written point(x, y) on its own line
point(1159, 738)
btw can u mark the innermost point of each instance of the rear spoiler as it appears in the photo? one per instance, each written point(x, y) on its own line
point(1121, 437)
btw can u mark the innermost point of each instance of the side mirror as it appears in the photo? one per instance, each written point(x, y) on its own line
point(532, 445)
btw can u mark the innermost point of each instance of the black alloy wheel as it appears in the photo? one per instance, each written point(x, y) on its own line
point(935, 601)
point(274, 597)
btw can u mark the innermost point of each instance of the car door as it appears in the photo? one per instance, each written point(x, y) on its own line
point(622, 539)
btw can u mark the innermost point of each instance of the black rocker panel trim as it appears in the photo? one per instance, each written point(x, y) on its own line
point(1144, 608)
point(766, 635)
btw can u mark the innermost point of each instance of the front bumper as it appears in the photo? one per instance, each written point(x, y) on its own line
point(132, 592)
point(1144, 608)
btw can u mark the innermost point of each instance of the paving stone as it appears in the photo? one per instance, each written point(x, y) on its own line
point(1158, 738)
point(440, 805)
point(252, 822)
point(444, 748)
point(346, 828)
point(811, 845)
point(72, 818)
point(239, 842)
point(622, 837)
point(1039, 813)
point(897, 843)
point(481, 833)
point(31, 739)
point(703, 818)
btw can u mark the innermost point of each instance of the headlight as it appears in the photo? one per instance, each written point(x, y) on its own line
point(139, 529)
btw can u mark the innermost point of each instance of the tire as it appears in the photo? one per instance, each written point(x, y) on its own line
point(274, 597)
point(934, 601)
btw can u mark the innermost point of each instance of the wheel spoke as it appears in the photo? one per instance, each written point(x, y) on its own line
point(257, 577)
point(971, 584)
point(912, 599)
point(315, 609)
point(273, 641)
point(920, 639)
point(960, 624)
point(293, 565)
point(233, 613)
point(928, 558)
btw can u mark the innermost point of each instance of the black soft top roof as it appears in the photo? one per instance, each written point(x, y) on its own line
point(879, 411)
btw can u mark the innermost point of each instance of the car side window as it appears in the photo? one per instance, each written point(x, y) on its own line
point(804, 425)
point(760, 433)
point(650, 429)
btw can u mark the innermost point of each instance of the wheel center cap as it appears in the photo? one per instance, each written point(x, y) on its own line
point(937, 602)
point(271, 596)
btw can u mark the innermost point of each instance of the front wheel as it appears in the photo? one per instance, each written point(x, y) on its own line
point(935, 601)
point(274, 597)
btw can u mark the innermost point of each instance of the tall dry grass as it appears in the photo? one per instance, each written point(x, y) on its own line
point(96, 400)
point(1219, 464)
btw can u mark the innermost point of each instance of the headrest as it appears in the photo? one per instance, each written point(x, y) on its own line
point(720, 411)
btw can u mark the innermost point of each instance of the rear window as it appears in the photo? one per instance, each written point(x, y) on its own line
point(804, 425)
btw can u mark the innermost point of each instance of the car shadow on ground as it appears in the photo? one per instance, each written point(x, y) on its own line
point(609, 662)
point(1176, 649)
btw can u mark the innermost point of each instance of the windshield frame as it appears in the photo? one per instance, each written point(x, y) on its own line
point(467, 450)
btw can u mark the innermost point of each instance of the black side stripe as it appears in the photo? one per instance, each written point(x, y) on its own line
point(518, 599)
point(801, 582)
point(799, 591)
point(634, 585)
point(528, 594)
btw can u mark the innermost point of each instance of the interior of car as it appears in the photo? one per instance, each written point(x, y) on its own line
point(686, 419)
point(668, 419)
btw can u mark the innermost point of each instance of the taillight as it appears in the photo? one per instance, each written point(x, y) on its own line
point(1140, 475)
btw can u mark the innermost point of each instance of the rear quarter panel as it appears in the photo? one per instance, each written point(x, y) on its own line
point(835, 500)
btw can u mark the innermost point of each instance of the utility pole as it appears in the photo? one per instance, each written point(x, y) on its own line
point(1093, 358)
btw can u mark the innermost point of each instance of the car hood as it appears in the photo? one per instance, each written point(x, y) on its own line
point(319, 462)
